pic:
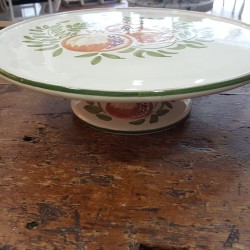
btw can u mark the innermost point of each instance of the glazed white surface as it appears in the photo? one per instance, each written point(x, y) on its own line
point(226, 57)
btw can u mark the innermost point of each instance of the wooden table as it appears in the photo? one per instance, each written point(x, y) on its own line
point(4, 24)
point(67, 186)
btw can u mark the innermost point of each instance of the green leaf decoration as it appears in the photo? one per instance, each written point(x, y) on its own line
point(57, 52)
point(168, 104)
point(194, 43)
point(139, 53)
point(104, 117)
point(35, 30)
point(39, 45)
point(87, 55)
point(37, 34)
point(162, 112)
point(178, 47)
point(93, 109)
point(48, 48)
point(59, 34)
point(111, 56)
point(29, 37)
point(155, 54)
point(129, 50)
point(195, 46)
point(49, 40)
point(65, 35)
point(42, 36)
point(153, 118)
point(56, 28)
point(45, 37)
point(167, 52)
point(137, 122)
point(76, 25)
point(204, 39)
point(96, 60)
point(34, 42)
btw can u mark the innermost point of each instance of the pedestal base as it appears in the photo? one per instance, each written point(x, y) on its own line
point(132, 118)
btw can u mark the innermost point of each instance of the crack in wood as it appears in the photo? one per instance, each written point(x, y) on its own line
point(233, 237)
point(140, 246)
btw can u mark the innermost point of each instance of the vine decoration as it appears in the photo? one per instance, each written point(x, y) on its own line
point(43, 38)
point(184, 32)
point(49, 38)
point(142, 53)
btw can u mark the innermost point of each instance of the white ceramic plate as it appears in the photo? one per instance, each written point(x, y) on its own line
point(133, 54)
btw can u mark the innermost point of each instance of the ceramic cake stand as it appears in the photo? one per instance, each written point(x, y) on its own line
point(130, 70)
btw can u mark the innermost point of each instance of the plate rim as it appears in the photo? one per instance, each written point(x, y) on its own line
point(197, 90)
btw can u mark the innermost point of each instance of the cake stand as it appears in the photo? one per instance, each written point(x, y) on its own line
point(130, 70)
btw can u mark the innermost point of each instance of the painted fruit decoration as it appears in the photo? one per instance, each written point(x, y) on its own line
point(96, 42)
point(129, 110)
point(126, 28)
point(151, 37)
point(142, 34)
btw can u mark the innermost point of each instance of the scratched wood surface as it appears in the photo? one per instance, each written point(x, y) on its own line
point(67, 186)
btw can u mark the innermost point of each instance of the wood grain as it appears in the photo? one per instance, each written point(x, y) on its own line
point(67, 186)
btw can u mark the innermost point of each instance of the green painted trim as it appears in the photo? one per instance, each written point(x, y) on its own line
point(156, 93)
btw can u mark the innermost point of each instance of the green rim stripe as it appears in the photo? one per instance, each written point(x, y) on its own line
point(212, 86)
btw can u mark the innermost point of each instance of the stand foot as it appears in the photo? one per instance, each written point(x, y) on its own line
point(132, 118)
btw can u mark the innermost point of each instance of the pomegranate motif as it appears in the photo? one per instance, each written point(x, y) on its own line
point(142, 34)
point(151, 37)
point(129, 110)
point(96, 42)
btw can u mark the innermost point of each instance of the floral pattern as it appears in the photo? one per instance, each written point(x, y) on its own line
point(118, 40)
point(133, 113)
